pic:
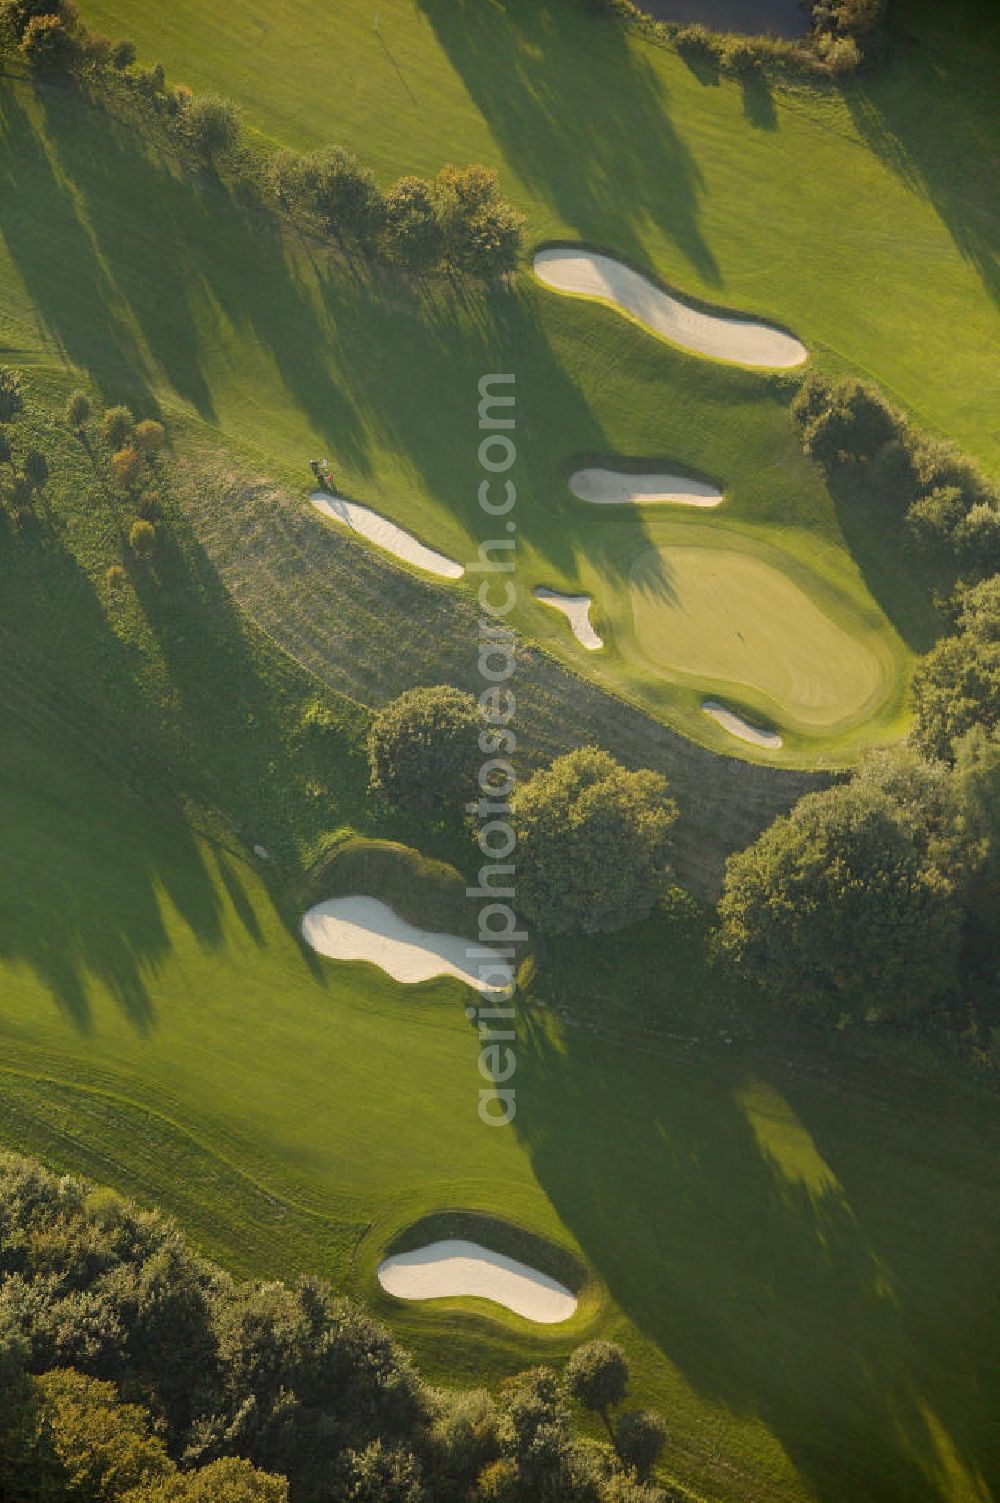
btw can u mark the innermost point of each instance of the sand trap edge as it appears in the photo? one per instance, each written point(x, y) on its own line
point(599, 485)
point(450, 1268)
point(576, 609)
point(736, 725)
point(376, 529)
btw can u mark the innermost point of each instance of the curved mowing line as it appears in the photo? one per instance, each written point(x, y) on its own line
point(361, 928)
point(385, 534)
point(743, 341)
point(576, 609)
point(603, 487)
point(442, 1270)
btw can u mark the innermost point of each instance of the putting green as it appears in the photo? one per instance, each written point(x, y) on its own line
point(719, 614)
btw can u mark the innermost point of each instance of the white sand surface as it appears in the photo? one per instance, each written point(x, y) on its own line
point(360, 928)
point(455, 1267)
point(385, 534)
point(620, 488)
point(737, 726)
point(742, 340)
point(576, 609)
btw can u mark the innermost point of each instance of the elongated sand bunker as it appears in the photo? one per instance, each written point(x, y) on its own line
point(737, 726)
point(444, 1269)
point(359, 928)
point(620, 488)
point(742, 340)
point(385, 534)
point(576, 609)
point(726, 616)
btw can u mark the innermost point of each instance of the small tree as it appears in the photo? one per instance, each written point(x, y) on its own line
point(342, 194)
point(49, 45)
point(77, 411)
point(116, 426)
point(957, 684)
point(932, 520)
point(383, 1474)
point(977, 541)
point(142, 538)
point(593, 843)
point(36, 468)
point(212, 125)
point(123, 54)
point(422, 748)
point(149, 437)
point(640, 1436)
point(11, 394)
point(597, 1375)
point(6, 452)
point(413, 236)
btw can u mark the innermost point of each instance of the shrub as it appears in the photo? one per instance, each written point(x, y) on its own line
point(739, 55)
point(977, 540)
point(77, 410)
point(383, 1474)
point(49, 45)
point(892, 477)
point(422, 749)
point(848, 421)
point(115, 577)
point(36, 468)
point(413, 236)
point(149, 437)
point(640, 1436)
point(932, 520)
point(6, 452)
point(142, 538)
point(123, 54)
point(11, 394)
point(126, 467)
point(116, 426)
point(17, 15)
point(593, 843)
point(211, 125)
point(696, 41)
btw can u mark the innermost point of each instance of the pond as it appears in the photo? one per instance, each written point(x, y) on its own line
point(782, 18)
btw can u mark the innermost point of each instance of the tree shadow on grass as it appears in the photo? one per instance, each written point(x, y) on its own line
point(96, 840)
point(933, 117)
point(582, 116)
point(799, 1253)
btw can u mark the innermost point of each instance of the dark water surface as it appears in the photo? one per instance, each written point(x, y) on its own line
point(782, 18)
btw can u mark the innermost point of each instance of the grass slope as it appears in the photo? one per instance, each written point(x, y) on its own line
point(285, 352)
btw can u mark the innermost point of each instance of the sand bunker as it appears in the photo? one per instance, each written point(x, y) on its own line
point(576, 609)
point(360, 928)
point(743, 340)
point(737, 726)
point(385, 534)
point(619, 488)
point(443, 1269)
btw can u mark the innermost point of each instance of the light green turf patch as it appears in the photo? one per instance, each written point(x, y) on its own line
point(724, 617)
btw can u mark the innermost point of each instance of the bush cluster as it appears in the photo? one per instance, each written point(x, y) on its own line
point(134, 1371)
point(843, 35)
point(949, 508)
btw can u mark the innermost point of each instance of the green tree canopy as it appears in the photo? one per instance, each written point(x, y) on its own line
point(593, 843)
point(423, 751)
point(957, 684)
point(851, 906)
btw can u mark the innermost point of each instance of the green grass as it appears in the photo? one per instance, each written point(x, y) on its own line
point(284, 352)
point(793, 1237)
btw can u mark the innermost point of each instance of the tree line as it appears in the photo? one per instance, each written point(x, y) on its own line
point(458, 222)
point(133, 1370)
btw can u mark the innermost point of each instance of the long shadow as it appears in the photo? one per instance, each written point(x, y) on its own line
point(57, 258)
point(771, 1248)
point(581, 116)
point(94, 840)
point(944, 66)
